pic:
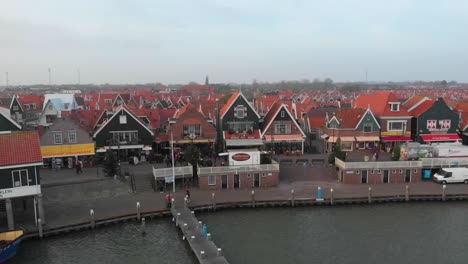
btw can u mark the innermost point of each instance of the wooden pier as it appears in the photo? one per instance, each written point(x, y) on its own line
point(202, 246)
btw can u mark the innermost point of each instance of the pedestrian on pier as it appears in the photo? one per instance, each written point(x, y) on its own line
point(187, 195)
point(169, 200)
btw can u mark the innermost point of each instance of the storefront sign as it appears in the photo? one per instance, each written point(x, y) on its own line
point(20, 191)
point(67, 150)
point(241, 157)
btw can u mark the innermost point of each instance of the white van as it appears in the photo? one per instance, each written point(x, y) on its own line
point(451, 175)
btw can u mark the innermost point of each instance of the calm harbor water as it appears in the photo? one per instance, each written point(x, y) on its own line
point(386, 233)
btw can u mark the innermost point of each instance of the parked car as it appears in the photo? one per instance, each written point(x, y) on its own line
point(451, 175)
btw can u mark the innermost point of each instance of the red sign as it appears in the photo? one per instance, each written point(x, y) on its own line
point(241, 157)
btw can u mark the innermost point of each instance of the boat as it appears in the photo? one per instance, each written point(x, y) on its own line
point(9, 242)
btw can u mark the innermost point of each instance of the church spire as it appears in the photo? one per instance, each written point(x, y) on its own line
point(206, 81)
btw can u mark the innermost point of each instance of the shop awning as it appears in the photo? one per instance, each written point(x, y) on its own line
point(396, 138)
point(273, 138)
point(244, 142)
point(367, 139)
point(324, 136)
point(67, 150)
point(343, 139)
point(440, 137)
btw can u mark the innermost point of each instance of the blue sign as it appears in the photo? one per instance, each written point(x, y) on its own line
point(427, 174)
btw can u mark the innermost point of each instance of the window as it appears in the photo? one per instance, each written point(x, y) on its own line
point(396, 125)
point(282, 113)
point(240, 111)
point(125, 137)
point(401, 171)
point(357, 172)
point(282, 128)
point(395, 107)
point(123, 119)
point(378, 171)
point(57, 137)
point(34, 106)
point(192, 130)
point(72, 136)
point(212, 180)
point(415, 171)
point(15, 108)
point(239, 127)
point(108, 101)
point(51, 107)
point(20, 178)
point(27, 106)
point(367, 128)
point(66, 106)
point(263, 174)
point(347, 146)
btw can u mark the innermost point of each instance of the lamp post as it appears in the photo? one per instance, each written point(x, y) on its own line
point(173, 168)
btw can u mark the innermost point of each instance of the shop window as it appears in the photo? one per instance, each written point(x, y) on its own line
point(212, 180)
point(347, 146)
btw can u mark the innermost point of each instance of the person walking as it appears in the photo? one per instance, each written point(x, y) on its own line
point(77, 166)
point(81, 166)
point(169, 200)
point(187, 195)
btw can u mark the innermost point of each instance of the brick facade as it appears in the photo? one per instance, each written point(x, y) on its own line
point(377, 176)
point(246, 181)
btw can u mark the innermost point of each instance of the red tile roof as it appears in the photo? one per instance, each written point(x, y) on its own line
point(379, 103)
point(420, 109)
point(270, 116)
point(349, 118)
point(413, 101)
point(229, 103)
point(22, 147)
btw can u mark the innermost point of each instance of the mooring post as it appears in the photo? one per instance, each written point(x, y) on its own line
point(39, 226)
point(192, 238)
point(208, 236)
point(185, 202)
point(200, 224)
point(138, 215)
point(177, 219)
point(91, 215)
point(444, 187)
point(220, 252)
point(213, 201)
point(173, 203)
point(292, 198)
point(407, 193)
point(369, 196)
point(185, 226)
point(193, 213)
point(332, 198)
point(143, 226)
point(202, 254)
point(253, 199)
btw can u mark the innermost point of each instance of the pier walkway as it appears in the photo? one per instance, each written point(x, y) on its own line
point(202, 246)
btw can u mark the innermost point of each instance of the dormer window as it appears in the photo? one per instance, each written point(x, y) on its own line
point(395, 107)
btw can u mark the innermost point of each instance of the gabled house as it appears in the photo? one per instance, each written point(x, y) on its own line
point(66, 139)
point(434, 121)
point(20, 162)
point(240, 123)
point(49, 113)
point(281, 132)
point(191, 127)
point(357, 128)
point(393, 117)
point(16, 110)
point(6, 122)
point(124, 132)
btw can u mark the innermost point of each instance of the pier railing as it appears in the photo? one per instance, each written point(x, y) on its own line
point(378, 164)
point(178, 171)
point(204, 171)
point(444, 162)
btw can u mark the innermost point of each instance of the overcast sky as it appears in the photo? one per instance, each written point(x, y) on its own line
point(174, 41)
